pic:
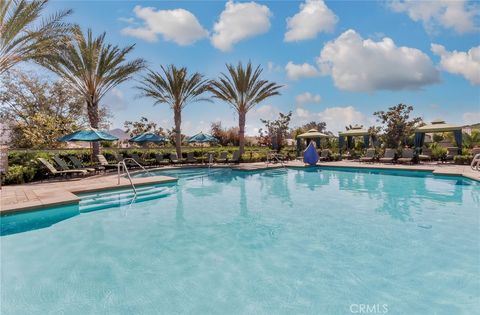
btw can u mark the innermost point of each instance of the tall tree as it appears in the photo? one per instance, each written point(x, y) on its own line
point(144, 125)
point(243, 89)
point(275, 131)
point(320, 126)
point(225, 136)
point(92, 67)
point(175, 87)
point(397, 125)
point(38, 110)
point(24, 37)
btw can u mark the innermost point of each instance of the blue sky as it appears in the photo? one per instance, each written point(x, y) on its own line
point(339, 60)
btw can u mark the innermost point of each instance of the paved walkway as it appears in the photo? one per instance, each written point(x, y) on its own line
point(59, 192)
point(30, 196)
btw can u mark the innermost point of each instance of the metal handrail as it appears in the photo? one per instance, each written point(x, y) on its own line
point(132, 159)
point(122, 163)
point(276, 158)
point(210, 160)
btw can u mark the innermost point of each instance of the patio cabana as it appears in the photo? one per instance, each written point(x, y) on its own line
point(438, 126)
point(309, 136)
point(355, 131)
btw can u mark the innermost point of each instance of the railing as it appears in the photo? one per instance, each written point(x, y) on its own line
point(274, 156)
point(122, 163)
point(210, 160)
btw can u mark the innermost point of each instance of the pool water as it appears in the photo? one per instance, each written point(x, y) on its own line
point(314, 241)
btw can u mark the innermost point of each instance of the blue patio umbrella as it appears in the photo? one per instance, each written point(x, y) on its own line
point(147, 137)
point(89, 135)
point(202, 138)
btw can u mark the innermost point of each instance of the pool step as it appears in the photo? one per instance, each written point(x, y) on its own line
point(121, 198)
point(117, 192)
point(99, 198)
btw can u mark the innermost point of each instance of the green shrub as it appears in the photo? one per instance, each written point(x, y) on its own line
point(19, 174)
point(438, 152)
point(463, 159)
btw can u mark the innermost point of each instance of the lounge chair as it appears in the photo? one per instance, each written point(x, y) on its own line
point(78, 164)
point(475, 165)
point(103, 162)
point(161, 160)
point(407, 156)
point(222, 158)
point(451, 153)
point(388, 157)
point(369, 156)
point(175, 160)
point(191, 158)
point(55, 172)
point(64, 166)
point(235, 158)
point(426, 155)
point(325, 155)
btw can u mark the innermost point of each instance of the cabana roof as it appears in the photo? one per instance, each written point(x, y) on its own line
point(438, 126)
point(355, 131)
point(313, 134)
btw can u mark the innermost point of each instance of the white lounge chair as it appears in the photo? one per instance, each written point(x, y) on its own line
point(475, 165)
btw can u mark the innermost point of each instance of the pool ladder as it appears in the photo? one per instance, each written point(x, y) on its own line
point(210, 160)
point(275, 157)
point(123, 165)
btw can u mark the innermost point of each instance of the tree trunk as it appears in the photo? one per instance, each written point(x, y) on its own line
point(177, 116)
point(92, 110)
point(241, 131)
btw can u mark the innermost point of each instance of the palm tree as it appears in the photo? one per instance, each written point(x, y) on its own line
point(92, 67)
point(175, 87)
point(243, 89)
point(23, 37)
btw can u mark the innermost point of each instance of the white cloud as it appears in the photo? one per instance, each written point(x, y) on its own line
point(314, 17)
point(458, 15)
point(240, 21)
point(335, 117)
point(356, 64)
point(471, 117)
point(179, 26)
point(267, 112)
point(307, 98)
point(129, 20)
point(466, 64)
point(295, 72)
point(272, 67)
point(115, 100)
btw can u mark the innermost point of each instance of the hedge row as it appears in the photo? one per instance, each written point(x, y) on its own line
point(24, 166)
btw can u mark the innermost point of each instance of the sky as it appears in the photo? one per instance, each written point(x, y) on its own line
point(338, 61)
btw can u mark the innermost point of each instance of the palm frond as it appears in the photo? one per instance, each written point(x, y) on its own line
point(23, 37)
point(174, 86)
point(242, 88)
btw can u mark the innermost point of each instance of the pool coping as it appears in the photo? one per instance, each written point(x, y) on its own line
point(48, 197)
point(53, 194)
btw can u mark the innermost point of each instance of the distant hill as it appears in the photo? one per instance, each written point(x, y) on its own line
point(119, 133)
point(473, 126)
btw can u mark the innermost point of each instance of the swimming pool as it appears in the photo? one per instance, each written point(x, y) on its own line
point(296, 241)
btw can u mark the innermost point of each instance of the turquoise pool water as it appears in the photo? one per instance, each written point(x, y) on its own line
point(315, 241)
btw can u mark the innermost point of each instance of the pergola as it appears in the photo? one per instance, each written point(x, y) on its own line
point(311, 135)
point(438, 126)
point(355, 131)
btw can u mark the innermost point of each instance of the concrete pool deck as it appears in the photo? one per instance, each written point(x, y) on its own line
point(32, 196)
